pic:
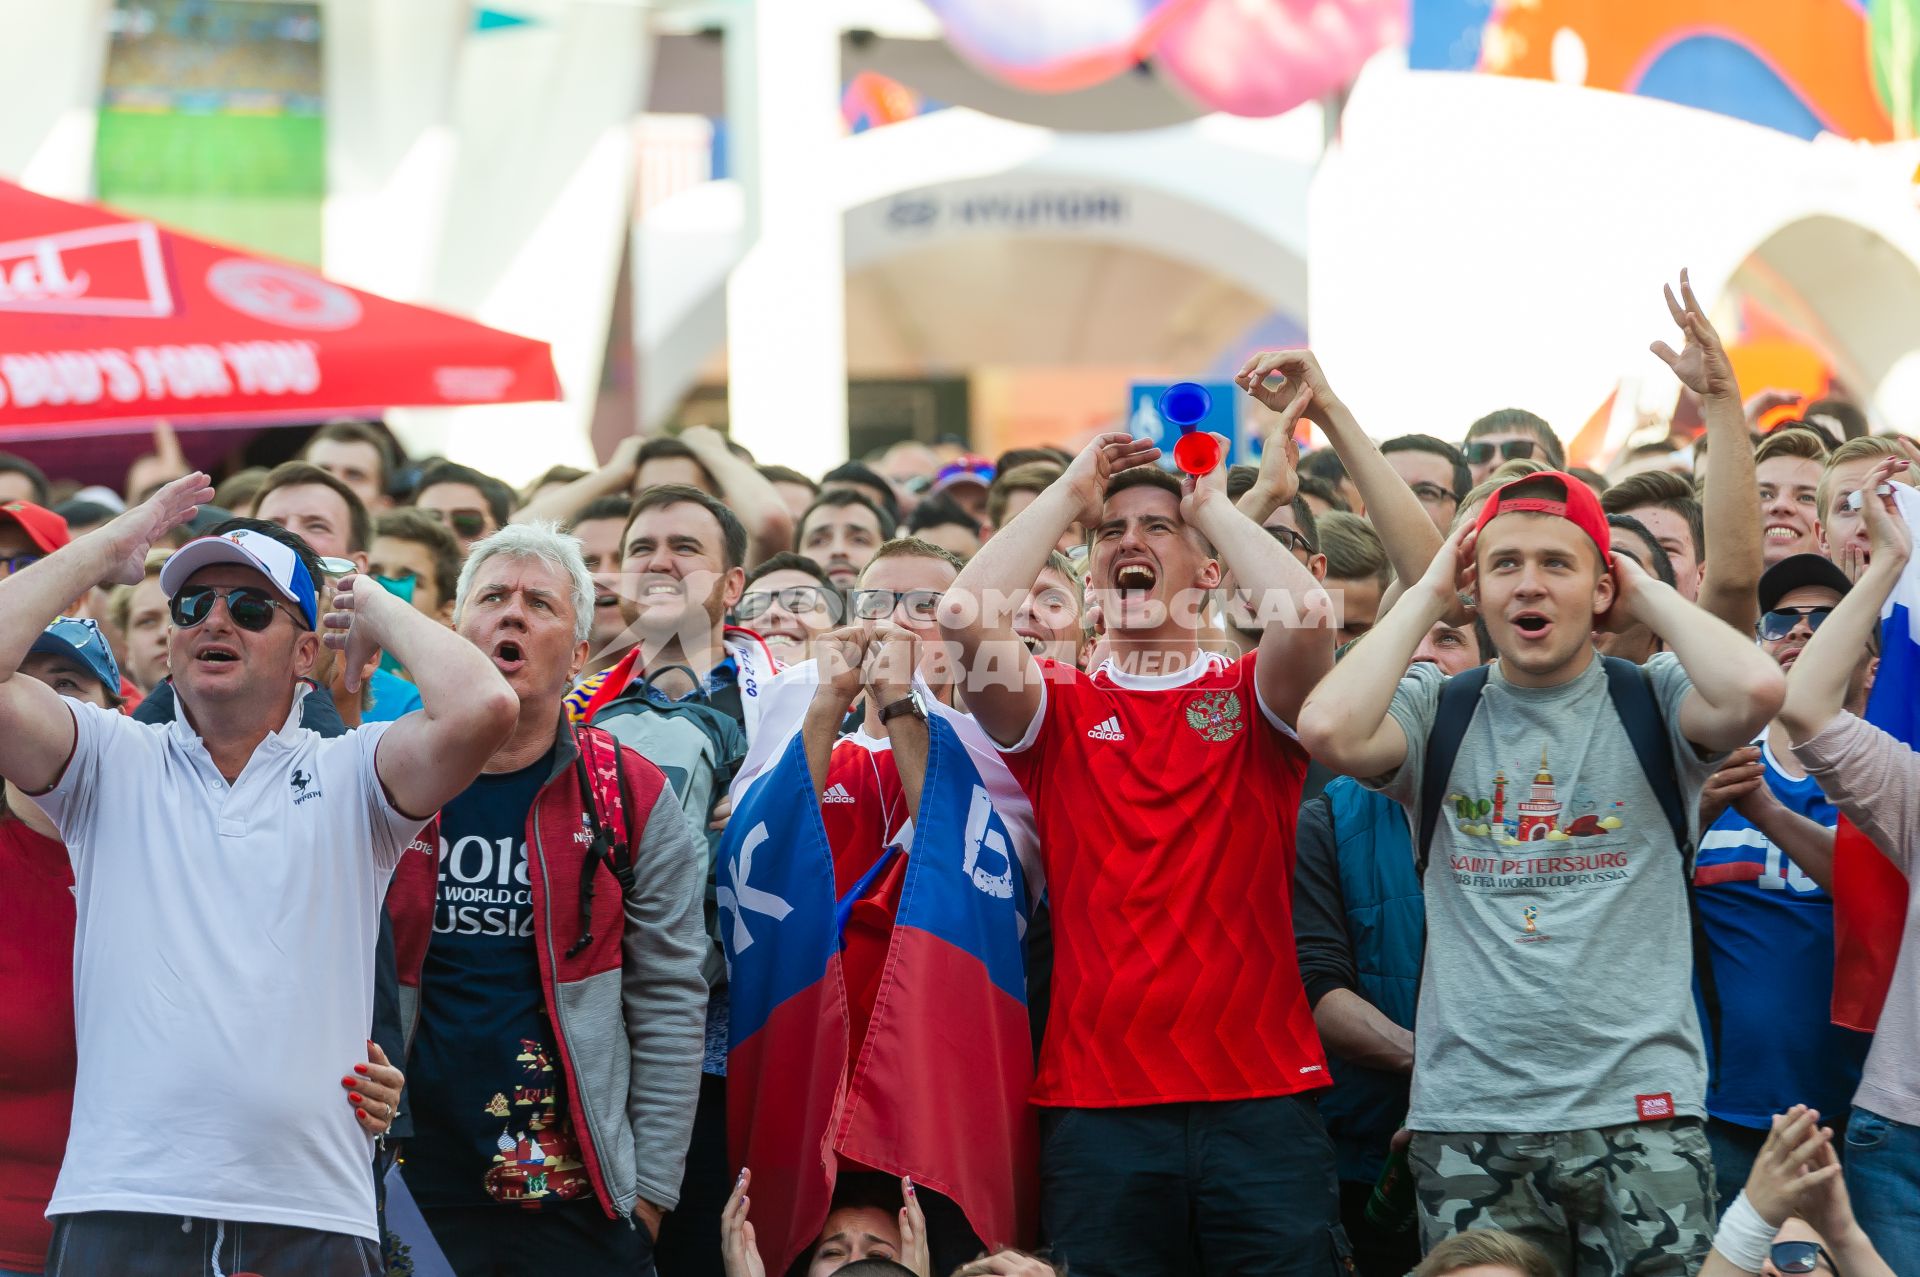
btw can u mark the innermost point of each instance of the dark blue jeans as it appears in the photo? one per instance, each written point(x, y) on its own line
point(1734, 1148)
point(1240, 1188)
point(1883, 1179)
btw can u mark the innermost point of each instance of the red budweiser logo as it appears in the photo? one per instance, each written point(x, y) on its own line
point(105, 270)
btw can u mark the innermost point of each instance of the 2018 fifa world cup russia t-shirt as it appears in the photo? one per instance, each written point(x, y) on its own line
point(490, 1113)
point(1165, 809)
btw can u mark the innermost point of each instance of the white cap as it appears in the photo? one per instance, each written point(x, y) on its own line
point(99, 494)
point(273, 560)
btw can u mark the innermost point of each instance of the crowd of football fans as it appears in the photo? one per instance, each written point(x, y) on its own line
point(1430, 850)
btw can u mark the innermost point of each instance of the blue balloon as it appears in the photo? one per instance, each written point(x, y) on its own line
point(1185, 404)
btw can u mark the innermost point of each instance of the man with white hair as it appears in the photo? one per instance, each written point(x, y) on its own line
point(550, 968)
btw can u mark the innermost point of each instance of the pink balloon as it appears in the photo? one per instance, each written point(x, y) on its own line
point(1264, 57)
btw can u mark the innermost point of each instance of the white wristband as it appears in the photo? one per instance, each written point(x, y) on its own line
point(1744, 1238)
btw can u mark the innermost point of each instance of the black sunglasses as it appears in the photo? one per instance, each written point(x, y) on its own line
point(1801, 1257)
point(797, 599)
point(250, 608)
point(1511, 450)
point(465, 523)
point(1779, 623)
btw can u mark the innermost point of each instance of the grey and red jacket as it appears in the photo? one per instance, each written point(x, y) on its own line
point(629, 1006)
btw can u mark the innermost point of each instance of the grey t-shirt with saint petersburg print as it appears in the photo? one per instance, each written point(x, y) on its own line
point(1557, 993)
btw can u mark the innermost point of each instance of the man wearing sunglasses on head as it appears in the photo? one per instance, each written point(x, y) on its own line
point(1763, 874)
point(228, 873)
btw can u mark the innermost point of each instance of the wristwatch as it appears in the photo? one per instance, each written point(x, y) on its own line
point(908, 704)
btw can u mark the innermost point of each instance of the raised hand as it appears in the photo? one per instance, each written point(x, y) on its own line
point(1702, 364)
point(703, 440)
point(1788, 1171)
point(1630, 584)
point(1825, 1204)
point(132, 534)
point(1890, 537)
point(1736, 781)
point(1199, 491)
point(842, 654)
point(1298, 370)
point(1762, 402)
point(914, 1252)
point(1453, 576)
point(891, 656)
point(626, 456)
point(347, 631)
point(166, 446)
point(1108, 455)
point(1280, 452)
point(738, 1252)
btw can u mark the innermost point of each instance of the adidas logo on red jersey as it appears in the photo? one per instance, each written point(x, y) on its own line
point(1109, 730)
point(837, 794)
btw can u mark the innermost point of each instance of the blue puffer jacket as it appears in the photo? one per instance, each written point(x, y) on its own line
point(1356, 876)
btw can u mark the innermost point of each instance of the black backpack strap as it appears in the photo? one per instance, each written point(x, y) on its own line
point(604, 844)
point(621, 861)
point(1459, 698)
point(1631, 689)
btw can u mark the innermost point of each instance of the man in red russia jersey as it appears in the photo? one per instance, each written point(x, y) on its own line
point(1178, 1136)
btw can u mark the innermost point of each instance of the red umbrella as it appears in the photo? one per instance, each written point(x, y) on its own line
point(108, 320)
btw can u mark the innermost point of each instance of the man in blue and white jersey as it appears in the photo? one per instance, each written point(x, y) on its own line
point(1764, 869)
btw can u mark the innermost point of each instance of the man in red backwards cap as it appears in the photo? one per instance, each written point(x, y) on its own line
point(1559, 1063)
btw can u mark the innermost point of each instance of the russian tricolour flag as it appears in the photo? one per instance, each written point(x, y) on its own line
point(787, 1061)
point(940, 1088)
point(1869, 892)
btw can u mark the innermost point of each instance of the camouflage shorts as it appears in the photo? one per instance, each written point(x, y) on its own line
point(1618, 1200)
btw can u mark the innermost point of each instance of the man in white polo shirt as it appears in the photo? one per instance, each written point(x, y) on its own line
point(229, 868)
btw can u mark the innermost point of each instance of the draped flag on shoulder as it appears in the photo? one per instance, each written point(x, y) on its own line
point(939, 1091)
point(788, 1033)
point(1869, 891)
point(940, 1088)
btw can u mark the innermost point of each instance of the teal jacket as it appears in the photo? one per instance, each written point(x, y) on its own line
point(1360, 924)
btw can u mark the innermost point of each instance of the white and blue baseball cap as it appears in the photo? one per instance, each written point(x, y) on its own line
point(272, 559)
point(79, 638)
